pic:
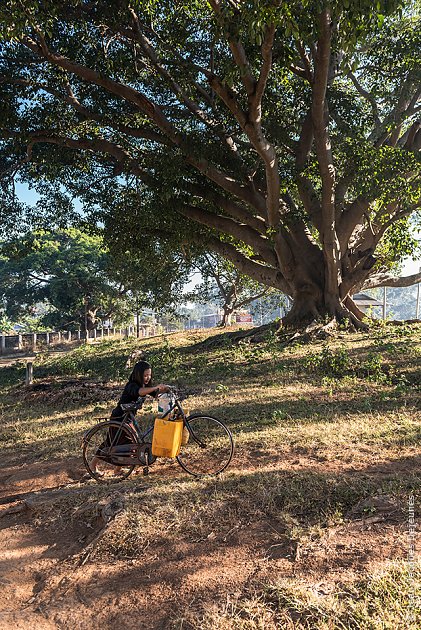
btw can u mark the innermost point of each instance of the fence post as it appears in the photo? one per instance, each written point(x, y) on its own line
point(47, 338)
point(19, 341)
point(29, 376)
point(34, 341)
point(3, 344)
point(78, 335)
point(102, 333)
point(69, 335)
point(59, 336)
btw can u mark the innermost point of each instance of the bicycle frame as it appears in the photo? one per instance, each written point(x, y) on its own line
point(129, 419)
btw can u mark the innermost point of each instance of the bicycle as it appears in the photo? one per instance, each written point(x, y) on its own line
point(120, 447)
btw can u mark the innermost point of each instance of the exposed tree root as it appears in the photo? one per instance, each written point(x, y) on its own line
point(315, 330)
point(344, 314)
point(286, 334)
point(402, 322)
point(254, 335)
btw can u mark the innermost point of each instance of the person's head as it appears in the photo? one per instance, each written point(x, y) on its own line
point(142, 374)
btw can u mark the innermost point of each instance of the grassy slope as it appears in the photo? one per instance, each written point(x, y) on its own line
point(320, 430)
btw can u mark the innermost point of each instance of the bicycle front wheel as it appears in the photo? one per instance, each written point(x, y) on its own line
point(99, 446)
point(209, 449)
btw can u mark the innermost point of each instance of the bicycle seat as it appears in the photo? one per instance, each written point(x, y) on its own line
point(133, 406)
point(128, 407)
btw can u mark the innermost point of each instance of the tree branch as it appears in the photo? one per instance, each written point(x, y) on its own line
point(148, 50)
point(319, 111)
point(369, 97)
point(225, 225)
point(235, 210)
point(70, 99)
point(119, 89)
point(387, 280)
point(261, 273)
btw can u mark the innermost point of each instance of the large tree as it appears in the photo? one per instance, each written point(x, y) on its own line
point(284, 134)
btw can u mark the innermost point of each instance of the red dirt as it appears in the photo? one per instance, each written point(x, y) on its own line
point(44, 586)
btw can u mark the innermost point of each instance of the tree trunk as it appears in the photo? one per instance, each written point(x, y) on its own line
point(311, 302)
point(89, 319)
point(307, 306)
point(227, 316)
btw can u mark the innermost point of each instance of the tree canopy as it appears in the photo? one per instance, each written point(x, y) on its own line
point(73, 281)
point(65, 276)
point(284, 136)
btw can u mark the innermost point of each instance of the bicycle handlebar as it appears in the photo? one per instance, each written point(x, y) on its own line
point(137, 404)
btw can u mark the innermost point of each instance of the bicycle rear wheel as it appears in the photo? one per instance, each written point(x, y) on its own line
point(97, 450)
point(210, 447)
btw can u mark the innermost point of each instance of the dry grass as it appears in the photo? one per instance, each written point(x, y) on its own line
point(319, 430)
point(379, 602)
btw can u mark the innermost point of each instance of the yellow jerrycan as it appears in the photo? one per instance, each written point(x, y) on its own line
point(167, 436)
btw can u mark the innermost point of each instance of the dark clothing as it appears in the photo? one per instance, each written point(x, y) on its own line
point(130, 394)
point(115, 436)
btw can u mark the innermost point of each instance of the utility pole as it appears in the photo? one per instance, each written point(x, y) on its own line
point(137, 318)
point(384, 302)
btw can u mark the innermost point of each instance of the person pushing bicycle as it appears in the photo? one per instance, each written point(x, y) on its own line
point(138, 386)
point(204, 446)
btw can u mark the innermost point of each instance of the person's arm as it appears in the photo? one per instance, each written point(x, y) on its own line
point(153, 391)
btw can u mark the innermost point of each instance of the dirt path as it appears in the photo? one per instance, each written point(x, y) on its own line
point(45, 584)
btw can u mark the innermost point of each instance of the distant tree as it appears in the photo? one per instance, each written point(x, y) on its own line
point(68, 271)
point(269, 308)
point(224, 286)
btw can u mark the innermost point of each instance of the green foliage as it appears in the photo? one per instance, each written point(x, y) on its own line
point(12, 375)
point(372, 368)
point(338, 364)
point(166, 361)
point(329, 362)
point(60, 274)
point(6, 324)
point(106, 361)
point(400, 243)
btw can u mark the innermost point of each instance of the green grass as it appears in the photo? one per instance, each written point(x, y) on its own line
point(318, 428)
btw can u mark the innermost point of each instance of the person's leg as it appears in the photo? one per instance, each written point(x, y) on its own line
point(97, 458)
point(112, 440)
